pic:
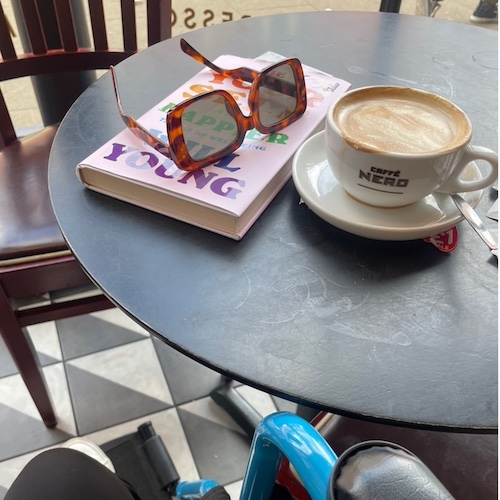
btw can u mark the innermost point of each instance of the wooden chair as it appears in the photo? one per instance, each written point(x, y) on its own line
point(34, 258)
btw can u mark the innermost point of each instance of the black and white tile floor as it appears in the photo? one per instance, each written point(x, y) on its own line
point(107, 376)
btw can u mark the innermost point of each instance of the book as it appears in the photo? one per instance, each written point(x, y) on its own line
point(229, 196)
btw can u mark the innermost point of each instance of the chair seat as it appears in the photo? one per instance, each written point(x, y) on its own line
point(28, 225)
point(35, 261)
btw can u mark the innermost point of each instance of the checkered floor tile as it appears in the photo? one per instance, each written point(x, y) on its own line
point(107, 376)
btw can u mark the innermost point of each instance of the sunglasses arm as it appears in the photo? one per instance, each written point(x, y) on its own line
point(245, 74)
point(135, 127)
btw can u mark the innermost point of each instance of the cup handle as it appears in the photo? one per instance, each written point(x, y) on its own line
point(456, 185)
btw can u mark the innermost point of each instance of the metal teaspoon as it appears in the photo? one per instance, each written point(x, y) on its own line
point(473, 219)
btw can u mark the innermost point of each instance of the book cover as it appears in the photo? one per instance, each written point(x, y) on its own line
point(228, 196)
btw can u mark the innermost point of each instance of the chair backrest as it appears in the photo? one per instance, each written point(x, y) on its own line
point(71, 56)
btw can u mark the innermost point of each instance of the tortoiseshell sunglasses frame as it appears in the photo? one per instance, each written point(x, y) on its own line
point(177, 149)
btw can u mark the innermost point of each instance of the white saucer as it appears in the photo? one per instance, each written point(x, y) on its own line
point(322, 193)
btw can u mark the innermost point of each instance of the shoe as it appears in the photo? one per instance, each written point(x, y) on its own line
point(486, 12)
point(91, 449)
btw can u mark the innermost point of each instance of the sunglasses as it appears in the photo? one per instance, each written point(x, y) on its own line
point(277, 98)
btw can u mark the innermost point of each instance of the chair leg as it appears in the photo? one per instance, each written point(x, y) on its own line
point(23, 352)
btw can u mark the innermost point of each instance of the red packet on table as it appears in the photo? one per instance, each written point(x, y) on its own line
point(446, 241)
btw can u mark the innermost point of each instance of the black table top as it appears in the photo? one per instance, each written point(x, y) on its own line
point(392, 331)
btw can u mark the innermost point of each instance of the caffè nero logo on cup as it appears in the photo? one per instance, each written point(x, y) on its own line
point(383, 178)
point(390, 146)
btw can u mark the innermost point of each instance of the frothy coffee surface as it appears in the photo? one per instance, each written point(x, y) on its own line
point(400, 120)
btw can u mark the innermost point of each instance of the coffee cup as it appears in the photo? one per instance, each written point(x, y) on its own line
point(391, 146)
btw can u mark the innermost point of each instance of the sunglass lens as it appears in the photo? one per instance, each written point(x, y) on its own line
point(208, 126)
point(277, 95)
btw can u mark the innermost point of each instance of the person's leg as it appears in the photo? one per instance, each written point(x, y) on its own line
point(63, 474)
point(486, 12)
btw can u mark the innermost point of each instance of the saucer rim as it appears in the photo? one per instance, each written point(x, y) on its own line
point(363, 229)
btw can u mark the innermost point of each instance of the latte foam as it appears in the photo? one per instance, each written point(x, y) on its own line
point(400, 120)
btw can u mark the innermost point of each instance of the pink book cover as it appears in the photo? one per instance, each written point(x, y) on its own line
point(231, 185)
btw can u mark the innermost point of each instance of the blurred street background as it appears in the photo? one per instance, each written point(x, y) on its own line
point(196, 14)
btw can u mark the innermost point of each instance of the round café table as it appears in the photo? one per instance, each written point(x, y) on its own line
point(390, 331)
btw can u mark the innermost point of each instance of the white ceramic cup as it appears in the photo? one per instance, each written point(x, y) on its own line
point(390, 146)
